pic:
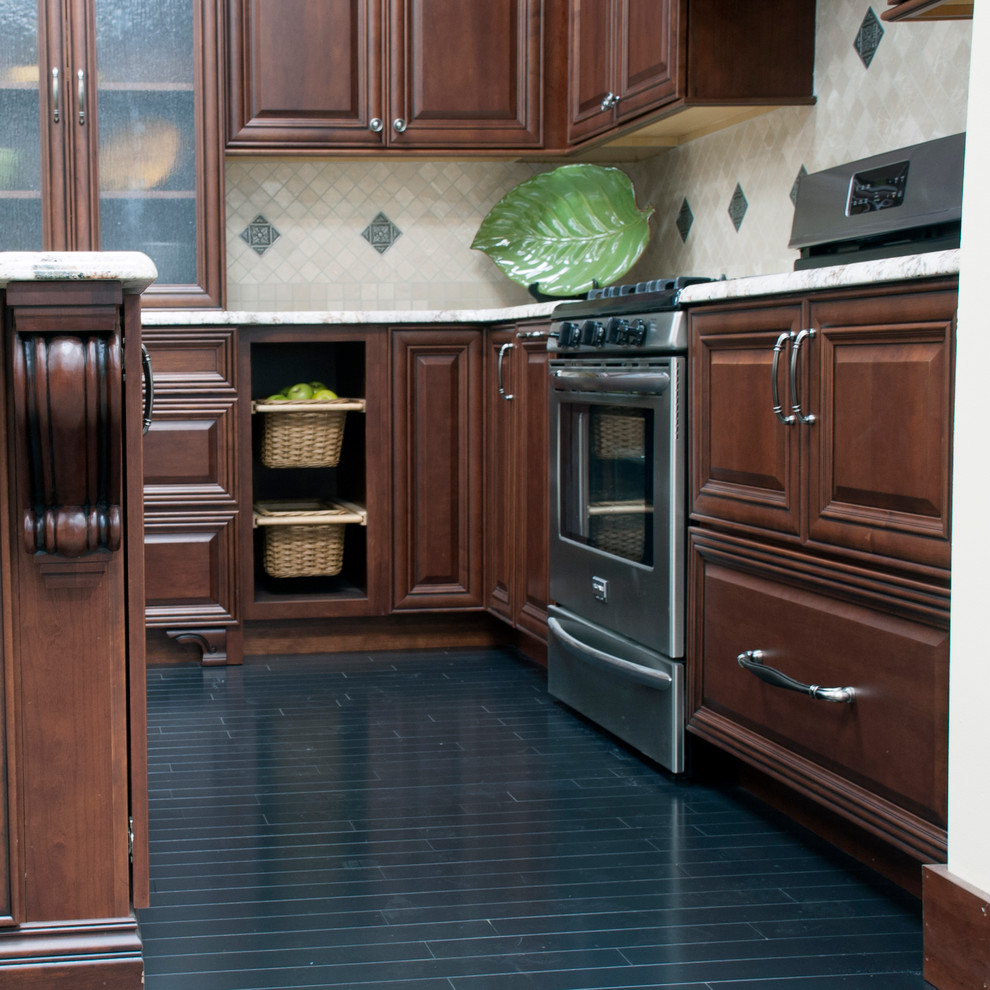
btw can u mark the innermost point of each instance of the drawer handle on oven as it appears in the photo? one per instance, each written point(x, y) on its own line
point(752, 660)
point(654, 382)
point(774, 392)
point(645, 675)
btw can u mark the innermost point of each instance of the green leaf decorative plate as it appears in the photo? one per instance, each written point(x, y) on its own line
point(566, 231)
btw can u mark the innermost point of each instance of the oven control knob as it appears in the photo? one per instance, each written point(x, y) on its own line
point(618, 330)
point(636, 334)
point(569, 334)
point(593, 333)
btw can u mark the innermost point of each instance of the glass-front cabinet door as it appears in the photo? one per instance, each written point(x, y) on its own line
point(109, 136)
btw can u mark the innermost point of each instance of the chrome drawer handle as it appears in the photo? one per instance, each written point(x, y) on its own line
point(752, 660)
point(501, 385)
point(778, 349)
point(795, 398)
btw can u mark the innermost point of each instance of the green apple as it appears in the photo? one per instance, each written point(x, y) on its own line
point(302, 390)
point(316, 386)
point(324, 393)
point(277, 397)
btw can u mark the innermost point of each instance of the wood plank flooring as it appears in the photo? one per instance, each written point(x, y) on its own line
point(434, 821)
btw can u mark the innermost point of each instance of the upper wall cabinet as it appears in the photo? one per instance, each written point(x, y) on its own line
point(109, 136)
point(383, 74)
point(633, 61)
point(928, 10)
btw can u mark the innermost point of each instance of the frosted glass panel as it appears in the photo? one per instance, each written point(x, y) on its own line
point(147, 153)
point(20, 128)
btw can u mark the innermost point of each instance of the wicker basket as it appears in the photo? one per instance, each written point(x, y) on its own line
point(618, 433)
point(305, 539)
point(620, 528)
point(303, 432)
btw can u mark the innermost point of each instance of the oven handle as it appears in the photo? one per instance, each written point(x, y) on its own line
point(645, 675)
point(653, 382)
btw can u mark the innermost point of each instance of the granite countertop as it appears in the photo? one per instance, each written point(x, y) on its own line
point(134, 270)
point(912, 266)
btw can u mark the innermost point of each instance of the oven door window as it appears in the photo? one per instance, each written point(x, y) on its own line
point(606, 478)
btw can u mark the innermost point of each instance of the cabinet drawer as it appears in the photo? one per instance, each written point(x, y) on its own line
point(189, 569)
point(191, 360)
point(880, 759)
point(189, 454)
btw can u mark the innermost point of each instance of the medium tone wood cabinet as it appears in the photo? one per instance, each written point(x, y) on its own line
point(819, 553)
point(517, 477)
point(73, 795)
point(632, 60)
point(113, 111)
point(437, 468)
point(366, 74)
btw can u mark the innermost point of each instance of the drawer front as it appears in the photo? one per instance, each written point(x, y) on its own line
point(191, 360)
point(189, 569)
point(823, 626)
point(189, 453)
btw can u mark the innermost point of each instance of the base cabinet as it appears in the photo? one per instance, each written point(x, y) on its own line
point(516, 477)
point(878, 757)
point(820, 492)
point(437, 423)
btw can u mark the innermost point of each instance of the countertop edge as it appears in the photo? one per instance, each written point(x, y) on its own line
point(913, 266)
point(134, 270)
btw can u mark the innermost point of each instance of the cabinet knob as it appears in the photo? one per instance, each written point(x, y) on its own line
point(376, 124)
point(610, 100)
point(398, 125)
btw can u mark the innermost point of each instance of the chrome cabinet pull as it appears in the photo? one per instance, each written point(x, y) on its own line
point(610, 100)
point(149, 390)
point(644, 675)
point(376, 124)
point(56, 113)
point(81, 79)
point(778, 349)
point(501, 357)
point(795, 398)
point(398, 125)
point(532, 334)
point(752, 660)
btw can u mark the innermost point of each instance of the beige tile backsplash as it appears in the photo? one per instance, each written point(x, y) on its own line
point(913, 90)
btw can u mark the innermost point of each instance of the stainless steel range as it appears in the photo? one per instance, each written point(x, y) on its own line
point(618, 513)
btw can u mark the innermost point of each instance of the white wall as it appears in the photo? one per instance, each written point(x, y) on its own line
point(969, 693)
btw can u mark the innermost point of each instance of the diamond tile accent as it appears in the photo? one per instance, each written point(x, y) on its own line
point(797, 182)
point(738, 207)
point(684, 220)
point(260, 235)
point(868, 37)
point(381, 233)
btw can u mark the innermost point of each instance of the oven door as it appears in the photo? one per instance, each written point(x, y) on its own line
point(617, 494)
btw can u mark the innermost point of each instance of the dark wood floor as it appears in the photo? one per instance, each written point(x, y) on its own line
point(437, 822)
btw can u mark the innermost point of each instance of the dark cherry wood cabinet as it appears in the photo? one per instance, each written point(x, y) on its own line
point(633, 60)
point(517, 477)
point(191, 491)
point(115, 122)
point(366, 74)
point(437, 469)
point(820, 492)
point(73, 795)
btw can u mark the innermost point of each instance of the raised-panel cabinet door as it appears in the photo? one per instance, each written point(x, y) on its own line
point(532, 527)
point(465, 75)
point(502, 399)
point(647, 59)
point(437, 470)
point(745, 459)
point(879, 451)
point(304, 74)
point(593, 76)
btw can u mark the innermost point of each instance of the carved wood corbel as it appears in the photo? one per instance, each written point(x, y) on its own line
point(67, 409)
